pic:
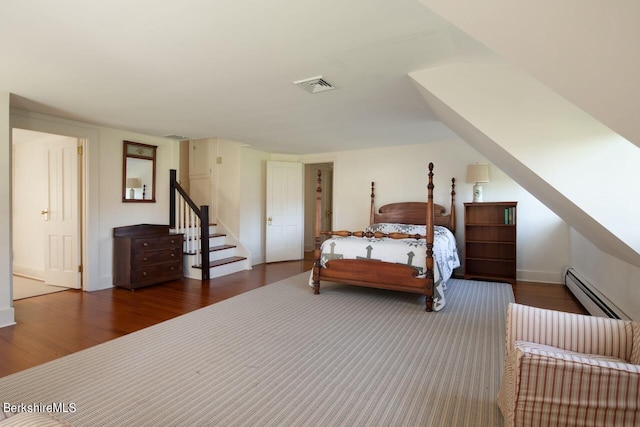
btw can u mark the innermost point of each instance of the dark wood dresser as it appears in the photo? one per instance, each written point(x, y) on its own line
point(146, 254)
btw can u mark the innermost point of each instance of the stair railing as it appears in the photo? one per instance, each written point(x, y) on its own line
point(187, 218)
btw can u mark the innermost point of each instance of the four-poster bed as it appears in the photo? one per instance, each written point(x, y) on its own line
point(354, 257)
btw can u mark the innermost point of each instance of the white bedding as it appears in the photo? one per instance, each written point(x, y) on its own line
point(410, 252)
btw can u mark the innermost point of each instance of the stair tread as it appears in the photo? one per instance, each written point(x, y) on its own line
point(223, 261)
point(221, 247)
point(211, 235)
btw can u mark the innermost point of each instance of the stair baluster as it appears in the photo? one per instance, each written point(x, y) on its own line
point(192, 220)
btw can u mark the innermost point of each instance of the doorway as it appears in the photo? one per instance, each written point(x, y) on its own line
point(311, 178)
point(46, 209)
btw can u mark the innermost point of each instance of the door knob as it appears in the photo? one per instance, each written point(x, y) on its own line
point(269, 220)
point(46, 214)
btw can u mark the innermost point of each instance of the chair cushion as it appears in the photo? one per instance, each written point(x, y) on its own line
point(547, 350)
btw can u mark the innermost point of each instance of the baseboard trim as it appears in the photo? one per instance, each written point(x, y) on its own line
point(7, 317)
point(539, 276)
point(31, 273)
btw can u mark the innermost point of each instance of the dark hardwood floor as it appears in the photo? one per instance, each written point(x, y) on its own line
point(54, 325)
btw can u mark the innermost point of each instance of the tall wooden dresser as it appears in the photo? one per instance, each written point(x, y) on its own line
point(146, 254)
point(490, 241)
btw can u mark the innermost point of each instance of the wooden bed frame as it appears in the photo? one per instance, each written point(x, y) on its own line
point(380, 274)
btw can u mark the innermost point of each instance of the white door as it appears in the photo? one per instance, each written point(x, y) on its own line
point(61, 214)
point(284, 211)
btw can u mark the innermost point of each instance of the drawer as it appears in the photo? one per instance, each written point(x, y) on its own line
point(157, 273)
point(143, 259)
point(141, 244)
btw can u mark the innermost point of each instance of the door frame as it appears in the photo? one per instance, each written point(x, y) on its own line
point(89, 179)
point(310, 186)
point(77, 202)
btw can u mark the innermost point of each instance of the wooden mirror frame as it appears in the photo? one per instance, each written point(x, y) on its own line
point(136, 152)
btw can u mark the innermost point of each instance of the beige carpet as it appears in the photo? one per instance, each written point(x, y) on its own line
point(281, 356)
point(24, 287)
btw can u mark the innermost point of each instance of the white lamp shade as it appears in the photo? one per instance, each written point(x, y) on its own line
point(478, 173)
point(134, 183)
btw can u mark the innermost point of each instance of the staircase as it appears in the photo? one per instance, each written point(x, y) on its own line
point(209, 250)
point(225, 257)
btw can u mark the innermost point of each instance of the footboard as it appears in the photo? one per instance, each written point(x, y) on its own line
point(374, 274)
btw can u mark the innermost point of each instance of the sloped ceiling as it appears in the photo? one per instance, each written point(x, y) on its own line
point(548, 132)
point(586, 51)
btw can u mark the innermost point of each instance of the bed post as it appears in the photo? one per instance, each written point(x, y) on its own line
point(316, 252)
point(429, 285)
point(452, 212)
point(372, 213)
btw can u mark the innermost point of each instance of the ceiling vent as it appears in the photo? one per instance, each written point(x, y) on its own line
point(176, 137)
point(315, 85)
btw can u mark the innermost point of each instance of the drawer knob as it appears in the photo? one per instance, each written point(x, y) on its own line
point(145, 244)
point(173, 255)
point(173, 268)
point(144, 259)
point(144, 273)
point(173, 241)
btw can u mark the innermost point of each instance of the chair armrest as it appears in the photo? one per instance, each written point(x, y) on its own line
point(559, 388)
point(568, 331)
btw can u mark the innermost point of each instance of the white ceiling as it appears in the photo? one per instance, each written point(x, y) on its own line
point(205, 68)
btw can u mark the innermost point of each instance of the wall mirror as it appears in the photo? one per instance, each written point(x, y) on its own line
point(138, 172)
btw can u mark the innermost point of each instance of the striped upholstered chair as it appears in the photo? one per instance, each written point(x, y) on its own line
point(565, 369)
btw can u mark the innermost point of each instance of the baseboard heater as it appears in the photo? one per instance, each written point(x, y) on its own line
point(595, 303)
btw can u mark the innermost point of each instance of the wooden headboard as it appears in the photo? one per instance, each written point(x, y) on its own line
point(414, 212)
point(411, 213)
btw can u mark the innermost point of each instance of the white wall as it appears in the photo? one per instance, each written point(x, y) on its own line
point(400, 174)
point(253, 170)
point(6, 292)
point(614, 278)
point(103, 204)
point(228, 184)
point(201, 160)
point(113, 212)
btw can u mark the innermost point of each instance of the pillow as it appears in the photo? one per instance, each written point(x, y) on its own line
point(387, 227)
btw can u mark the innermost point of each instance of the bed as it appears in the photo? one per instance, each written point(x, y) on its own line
point(408, 246)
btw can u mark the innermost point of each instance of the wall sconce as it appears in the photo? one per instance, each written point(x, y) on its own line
point(476, 174)
point(133, 183)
